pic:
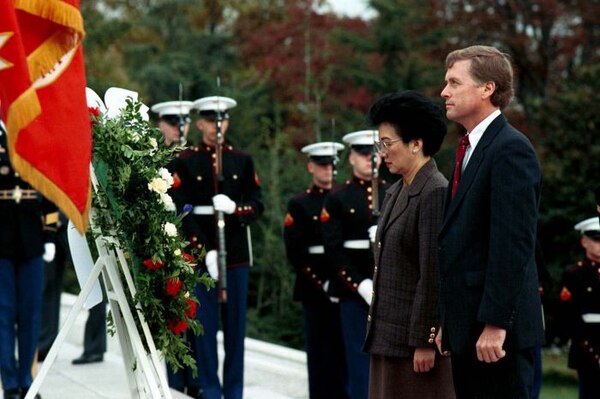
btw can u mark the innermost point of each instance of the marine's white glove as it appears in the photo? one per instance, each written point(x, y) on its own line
point(49, 252)
point(365, 289)
point(212, 264)
point(223, 203)
point(372, 233)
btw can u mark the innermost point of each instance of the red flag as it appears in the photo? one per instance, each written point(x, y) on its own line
point(43, 104)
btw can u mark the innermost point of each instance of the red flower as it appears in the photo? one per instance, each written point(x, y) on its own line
point(177, 327)
point(176, 180)
point(173, 286)
point(187, 258)
point(94, 114)
point(152, 265)
point(191, 312)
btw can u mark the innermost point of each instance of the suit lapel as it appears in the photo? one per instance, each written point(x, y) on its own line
point(470, 171)
point(391, 195)
point(402, 199)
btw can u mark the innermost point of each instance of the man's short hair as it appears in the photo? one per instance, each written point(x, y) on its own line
point(488, 64)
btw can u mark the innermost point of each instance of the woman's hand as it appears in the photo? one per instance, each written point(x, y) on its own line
point(423, 360)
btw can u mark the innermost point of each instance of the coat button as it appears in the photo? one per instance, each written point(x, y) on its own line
point(379, 244)
point(432, 329)
point(369, 318)
point(430, 340)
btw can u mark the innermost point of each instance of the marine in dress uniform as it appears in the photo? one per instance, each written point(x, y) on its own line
point(239, 197)
point(580, 296)
point(174, 120)
point(327, 376)
point(346, 217)
point(27, 235)
point(174, 123)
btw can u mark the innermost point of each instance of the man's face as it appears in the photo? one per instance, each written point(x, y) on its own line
point(171, 132)
point(465, 98)
point(362, 165)
point(208, 126)
point(592, 248)
point(322, 174)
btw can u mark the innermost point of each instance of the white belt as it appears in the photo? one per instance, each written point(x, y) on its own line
point(357, 244)
point(591, 317)
point(203, 210)
point(316, 249)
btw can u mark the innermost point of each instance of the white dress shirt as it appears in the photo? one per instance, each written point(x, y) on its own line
point(476, 134)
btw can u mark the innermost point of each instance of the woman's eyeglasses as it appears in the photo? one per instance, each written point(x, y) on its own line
point(385, 145)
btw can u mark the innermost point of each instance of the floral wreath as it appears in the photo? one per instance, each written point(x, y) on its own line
point(133, 204)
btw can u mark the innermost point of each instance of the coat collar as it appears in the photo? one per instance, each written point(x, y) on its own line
point(396, 206)
point(471, 170)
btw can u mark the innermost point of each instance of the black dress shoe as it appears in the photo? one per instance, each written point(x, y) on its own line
point(85, 359)
point(12, 394)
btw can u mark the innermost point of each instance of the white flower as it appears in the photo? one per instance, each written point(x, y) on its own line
point(153, 144)
point(135, 136)
point(170, 229)
point(167, 202)
point(177, 252)
point(158, 185)
point(166, 175)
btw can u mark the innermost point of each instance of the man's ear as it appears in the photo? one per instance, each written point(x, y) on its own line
point(488, 89)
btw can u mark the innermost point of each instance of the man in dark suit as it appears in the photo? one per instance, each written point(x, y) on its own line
point(490, 305)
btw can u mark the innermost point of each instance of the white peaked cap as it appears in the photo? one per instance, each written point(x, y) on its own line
point(326, 148)
point(362, 137)
point(214, 103)
point(591, 224)
point(172, 108)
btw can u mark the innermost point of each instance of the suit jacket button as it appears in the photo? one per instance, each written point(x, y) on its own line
point(430, 340)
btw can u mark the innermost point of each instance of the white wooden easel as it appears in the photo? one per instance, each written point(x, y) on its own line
point(144, 369)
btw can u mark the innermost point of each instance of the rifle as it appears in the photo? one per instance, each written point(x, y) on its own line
point(222, 260)
point(182, 119)
point(374, 184)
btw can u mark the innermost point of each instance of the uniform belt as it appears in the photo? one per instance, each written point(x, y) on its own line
point(203, 210)
point(316, 249)
point(357, 244)
point(591, 317)
point(18, 194)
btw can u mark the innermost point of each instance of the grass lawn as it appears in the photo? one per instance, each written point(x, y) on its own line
point(558, 381)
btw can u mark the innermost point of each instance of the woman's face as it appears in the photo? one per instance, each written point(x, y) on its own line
point(397, 155)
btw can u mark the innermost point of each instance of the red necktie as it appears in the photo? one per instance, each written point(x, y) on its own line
point(460, 155)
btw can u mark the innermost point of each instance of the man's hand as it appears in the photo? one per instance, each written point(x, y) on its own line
point(489, 345)
point(211, 264)
point(49, 252)
point(423, 360)
point(438, 343)
point(365, 289)
point(223, 203)
point(372, 233)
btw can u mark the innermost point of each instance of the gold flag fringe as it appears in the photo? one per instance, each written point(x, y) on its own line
point(57, 11)
point(67, 37)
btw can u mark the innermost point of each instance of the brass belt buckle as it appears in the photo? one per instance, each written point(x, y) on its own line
point(17, 194)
